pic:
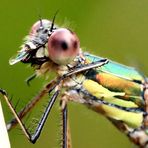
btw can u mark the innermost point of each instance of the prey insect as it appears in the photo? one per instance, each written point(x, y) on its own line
point(116, 91)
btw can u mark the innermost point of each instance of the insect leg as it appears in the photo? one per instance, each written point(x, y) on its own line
point(64, 119)
point(86, 67)
point(47, 89)
point(35, 136)
point(40, 126)
point(14, 113)
point(66, 136)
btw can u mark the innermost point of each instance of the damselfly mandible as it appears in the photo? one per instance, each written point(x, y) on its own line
point(116, 91)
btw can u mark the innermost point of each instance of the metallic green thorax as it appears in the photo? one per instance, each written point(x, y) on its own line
point(117, 69)
point(118, 85)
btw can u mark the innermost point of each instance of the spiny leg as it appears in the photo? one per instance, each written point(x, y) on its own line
point(86, 67)
point(47, 89)
point(69, 142)
point(14, 112)
point(66, 135)
point(51, 86)
point(35, 136)
point(64, 128)
point(40, 126)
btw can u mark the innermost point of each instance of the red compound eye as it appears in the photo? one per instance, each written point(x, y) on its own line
point(41, 23)
point(63, 46)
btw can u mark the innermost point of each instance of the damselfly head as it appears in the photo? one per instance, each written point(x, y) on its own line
point(48, 42)
point(63, 46)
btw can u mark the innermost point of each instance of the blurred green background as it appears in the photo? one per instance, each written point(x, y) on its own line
point(117, 29)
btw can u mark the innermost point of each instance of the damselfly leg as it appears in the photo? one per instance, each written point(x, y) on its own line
point(55, 86)
point(49, 87)
point(42, 121)
point(66, 136)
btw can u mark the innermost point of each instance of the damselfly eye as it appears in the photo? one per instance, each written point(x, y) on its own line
point(40, 25)
point(63, 46)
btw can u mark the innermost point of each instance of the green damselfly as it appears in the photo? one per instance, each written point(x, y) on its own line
point(114, 90)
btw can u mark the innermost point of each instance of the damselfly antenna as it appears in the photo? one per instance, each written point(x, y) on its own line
point(41, 23)
point(53, 20)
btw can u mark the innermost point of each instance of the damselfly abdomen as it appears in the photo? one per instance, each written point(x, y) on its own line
point(114, 90)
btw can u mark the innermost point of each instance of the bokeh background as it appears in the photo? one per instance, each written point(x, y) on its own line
point(117, 29)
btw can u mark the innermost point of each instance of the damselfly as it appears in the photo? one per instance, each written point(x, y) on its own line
point(116, 91)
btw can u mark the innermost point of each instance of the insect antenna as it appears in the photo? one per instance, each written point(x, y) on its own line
point(53, 20)
point(41, 23)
